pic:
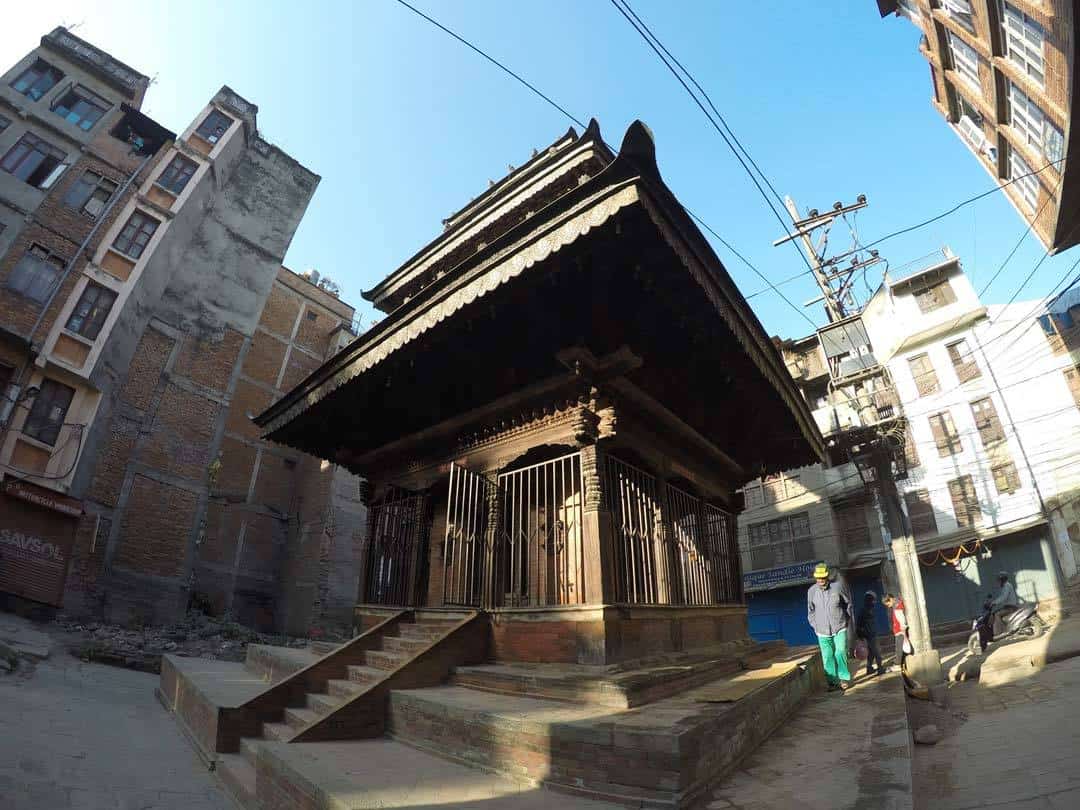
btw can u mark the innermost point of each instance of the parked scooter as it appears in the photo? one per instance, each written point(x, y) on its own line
point(1023, 621)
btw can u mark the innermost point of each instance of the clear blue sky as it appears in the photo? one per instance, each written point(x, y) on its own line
point(405, 125)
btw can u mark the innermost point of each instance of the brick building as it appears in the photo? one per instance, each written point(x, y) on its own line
point(1003, 73)
point(144, 313)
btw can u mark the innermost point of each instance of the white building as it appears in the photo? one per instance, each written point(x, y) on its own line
point(990, 397)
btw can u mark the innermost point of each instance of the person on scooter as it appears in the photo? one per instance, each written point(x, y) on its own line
point(1004, 603)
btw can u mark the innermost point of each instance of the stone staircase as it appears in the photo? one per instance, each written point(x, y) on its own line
point(315, 694)
point(290, 725)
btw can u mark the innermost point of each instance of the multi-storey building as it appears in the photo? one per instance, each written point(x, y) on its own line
point(144, 312)
point(990, 476)
point(1003, 74)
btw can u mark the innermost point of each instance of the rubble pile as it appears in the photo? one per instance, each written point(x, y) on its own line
point(196, 636)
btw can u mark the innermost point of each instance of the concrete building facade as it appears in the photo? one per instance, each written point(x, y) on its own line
point(991, 456)
point(1003, 74)
point(145, 312)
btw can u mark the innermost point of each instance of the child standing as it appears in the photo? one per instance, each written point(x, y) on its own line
point(865, 628)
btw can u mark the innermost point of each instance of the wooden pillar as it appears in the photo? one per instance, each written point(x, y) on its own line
point(597, 532)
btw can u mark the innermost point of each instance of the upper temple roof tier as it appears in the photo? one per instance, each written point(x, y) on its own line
point(579, 252)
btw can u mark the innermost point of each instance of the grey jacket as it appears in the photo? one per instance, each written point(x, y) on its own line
point(829, 610)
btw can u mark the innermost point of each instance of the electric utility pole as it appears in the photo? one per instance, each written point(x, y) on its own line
point(850, 358)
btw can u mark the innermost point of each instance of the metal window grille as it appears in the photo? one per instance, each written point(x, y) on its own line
point(706, 562)
point(1024, 41)
point(397, 534)
point(466, 558)
point(1027, 184)
point(538, 553)
point(642, 561)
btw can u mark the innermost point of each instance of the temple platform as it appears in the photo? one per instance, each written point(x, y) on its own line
point(654, 732)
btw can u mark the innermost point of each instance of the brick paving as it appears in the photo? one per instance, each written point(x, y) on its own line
point(1009, 746)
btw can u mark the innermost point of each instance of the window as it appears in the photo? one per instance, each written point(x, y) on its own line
point(935, 296)
point(1024, 179)
point(961, 11)
point(1024, 41)
point(922, 372)
point(1072, 379)
point(920, 514)
point(90, 194)
point(911, 451)
point(36, 274)
point(1028, 119)
point(963, 361)
point(4, 123)
point(80, 107)
point(48, 412)
point(852, 524)
point(945, 436)
point(1006, 478)
point(34, 161)
point(781, 541)
point(37, 80)
point(965, 60)
point(987, 422)
point(965, 502)
point(177, 173)
point(90, 313)
point(214, 126)
point(132, 240)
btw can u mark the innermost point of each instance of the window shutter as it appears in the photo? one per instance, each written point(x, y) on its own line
point(853, 525)
point(922, 371)
point(948, 443)
point(965, 503)
point(987, 422)
point(920, 514)
point(1072, 377)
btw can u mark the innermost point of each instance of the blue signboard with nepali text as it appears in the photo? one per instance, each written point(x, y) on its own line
point(779, 577)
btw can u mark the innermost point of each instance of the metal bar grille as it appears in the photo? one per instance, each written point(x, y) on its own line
point(705, 563)
point(396, 534)
point(641, 559)
point(538, 546)
point(465, 548)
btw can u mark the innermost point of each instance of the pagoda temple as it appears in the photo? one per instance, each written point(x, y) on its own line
point(555, 415)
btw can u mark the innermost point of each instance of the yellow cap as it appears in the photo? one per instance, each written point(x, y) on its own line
point(822, 571)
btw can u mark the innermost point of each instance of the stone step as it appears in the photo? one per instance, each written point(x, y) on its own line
point(409, 646)
point(278, 732)
point(364, 675)
point(249, 748)
point(272, 663)
point(297, 718)
point(321, 648)
point(421, 631)
point(344, 689)
point(323, 704)
point(238, 777)
point(385, 660)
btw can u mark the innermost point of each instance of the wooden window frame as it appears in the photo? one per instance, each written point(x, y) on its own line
point(90, 196)
point(1024, 179)
point(43, 69)
point(922, 520)
point(23, 277)
point(934, 296)
point(215, 120)
point(963, 360)
point(1006, 478)
point(94, 103)
point(91, 311)
point(140, 225)
point(177, 174)
point(926, 381)
point(40, 424)
point(968, 501)
point(44, 173)
point(947, 441)
point(1072, 379)
point(1017, 32)
point(987, 422)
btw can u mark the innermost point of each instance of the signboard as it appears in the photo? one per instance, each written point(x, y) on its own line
point(39, 496)
point(802, 573)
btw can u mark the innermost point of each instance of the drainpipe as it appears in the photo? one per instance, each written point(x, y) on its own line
point(1059, 573)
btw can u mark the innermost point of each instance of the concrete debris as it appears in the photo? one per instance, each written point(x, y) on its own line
point(927, 735)
point(196, 636)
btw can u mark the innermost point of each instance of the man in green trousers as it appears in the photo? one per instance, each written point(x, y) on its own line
point(830, 613)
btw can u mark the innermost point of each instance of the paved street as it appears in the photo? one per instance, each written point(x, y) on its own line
point(1009, 746)
point(91, 737)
